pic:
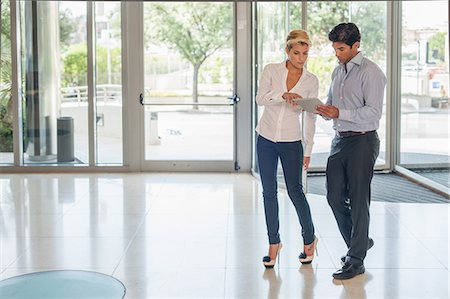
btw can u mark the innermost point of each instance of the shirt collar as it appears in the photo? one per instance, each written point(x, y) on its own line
point(357, 59)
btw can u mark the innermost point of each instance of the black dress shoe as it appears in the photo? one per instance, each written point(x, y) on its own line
point(369, 245)
point(348, 271)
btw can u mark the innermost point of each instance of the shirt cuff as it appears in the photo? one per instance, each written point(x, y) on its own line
point(308, 150)
point(344, 114)
point(279, 97)
point(274, 97)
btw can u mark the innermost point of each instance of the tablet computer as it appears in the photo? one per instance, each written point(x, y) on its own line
point(308, 104)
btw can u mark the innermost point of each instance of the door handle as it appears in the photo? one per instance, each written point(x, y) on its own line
point(141, 99)
point(234, 99)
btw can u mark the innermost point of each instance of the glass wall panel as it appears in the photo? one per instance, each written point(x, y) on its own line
point(371, 18)
point(424, 143)
point(189, 73)
point(273, 22)
point(275, 19)
point(54, 68)
point(294, 14)
point(109, 82)
point(6, 109)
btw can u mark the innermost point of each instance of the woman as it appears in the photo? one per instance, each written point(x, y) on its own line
point(280, 137)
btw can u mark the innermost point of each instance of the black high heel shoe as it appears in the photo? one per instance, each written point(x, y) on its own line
point(304, 258)
point(268, 262)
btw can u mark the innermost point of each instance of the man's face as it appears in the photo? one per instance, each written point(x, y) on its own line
point(344, 53)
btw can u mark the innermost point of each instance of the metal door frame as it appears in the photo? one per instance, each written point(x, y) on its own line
point(133, 62)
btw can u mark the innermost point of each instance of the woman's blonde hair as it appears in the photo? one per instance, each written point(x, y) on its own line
point(297, 37)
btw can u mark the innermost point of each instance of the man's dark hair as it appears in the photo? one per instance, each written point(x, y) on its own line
point(347, 33)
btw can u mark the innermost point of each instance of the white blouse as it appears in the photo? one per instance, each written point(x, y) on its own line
point(280, 121)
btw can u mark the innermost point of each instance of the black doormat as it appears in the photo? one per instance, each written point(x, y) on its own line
point(386, 188)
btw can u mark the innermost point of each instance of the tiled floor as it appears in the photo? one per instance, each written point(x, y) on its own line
point(203, 236)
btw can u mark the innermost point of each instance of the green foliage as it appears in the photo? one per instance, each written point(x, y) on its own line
point(370, 17)
point(5, 30)
point(437, 46)
point(6, 137)
point(102, 65)
point(5, 77)
point(218, 70)
point(67, 27)
point(6, 118)
point(322, 17)
point(75, 65)
point(194, 29)
point(322, 67)
point(295, 14)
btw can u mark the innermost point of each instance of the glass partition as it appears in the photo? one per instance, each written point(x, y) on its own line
point(424, 112)
point(371, 19)
point(108, 82)
point(185, 90)
point(54, 67)
point(273, 22)
point(54, 64)
point(189, 79)
point(275, 19)
point(6, 109)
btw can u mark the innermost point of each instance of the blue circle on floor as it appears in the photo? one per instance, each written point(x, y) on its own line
point(62, 284)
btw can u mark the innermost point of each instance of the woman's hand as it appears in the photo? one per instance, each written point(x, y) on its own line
point(289, 97)
point(306, 161)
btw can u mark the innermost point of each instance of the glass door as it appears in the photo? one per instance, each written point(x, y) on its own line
point(424, 109)
point(188, 100)
point(275, 19)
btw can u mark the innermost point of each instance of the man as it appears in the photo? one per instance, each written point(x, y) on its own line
point(355, 102)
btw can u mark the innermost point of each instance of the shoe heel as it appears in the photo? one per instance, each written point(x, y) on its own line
point(279, 259)
point(307, 259)
point(269, 263)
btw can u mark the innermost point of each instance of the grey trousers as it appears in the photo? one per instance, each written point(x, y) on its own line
point(349, 174)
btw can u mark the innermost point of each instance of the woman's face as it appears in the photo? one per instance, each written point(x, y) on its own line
point(298, 55)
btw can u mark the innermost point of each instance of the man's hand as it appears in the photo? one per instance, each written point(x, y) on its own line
point(328, 111)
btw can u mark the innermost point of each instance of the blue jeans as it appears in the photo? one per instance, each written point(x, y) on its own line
point(291, 156)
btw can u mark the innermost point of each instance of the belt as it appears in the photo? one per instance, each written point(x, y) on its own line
point(351, 133)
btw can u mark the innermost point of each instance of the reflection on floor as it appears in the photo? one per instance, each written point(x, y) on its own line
point(203, 236)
